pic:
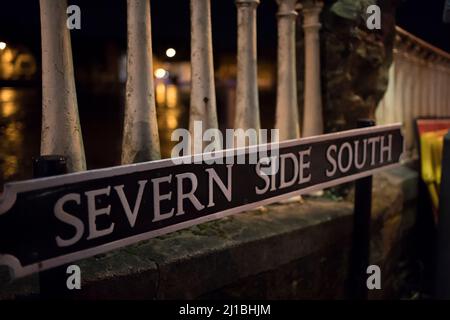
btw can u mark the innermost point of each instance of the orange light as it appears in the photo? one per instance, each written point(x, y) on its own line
point(161, 94)
point(172, 96)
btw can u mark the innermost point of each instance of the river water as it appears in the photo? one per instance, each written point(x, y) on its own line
point(101, 118)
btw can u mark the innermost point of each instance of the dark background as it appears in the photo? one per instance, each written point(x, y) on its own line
point(106, 20)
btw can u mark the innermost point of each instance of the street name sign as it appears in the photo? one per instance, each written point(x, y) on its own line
point(53, 221)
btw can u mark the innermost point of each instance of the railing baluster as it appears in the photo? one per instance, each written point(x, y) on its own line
point(140, 136)
point(61, 131)
point(203, 95)
point(417, 87)
point(313, 119)
point(287, 120)
point(247, 103)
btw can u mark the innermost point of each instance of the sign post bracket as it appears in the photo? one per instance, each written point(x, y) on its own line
point(52, 282)
point(360, 247)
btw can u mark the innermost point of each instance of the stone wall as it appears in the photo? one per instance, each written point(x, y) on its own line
point(284, 251)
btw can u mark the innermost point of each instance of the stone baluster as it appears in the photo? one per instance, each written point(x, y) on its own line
point(398, 79)
point(140, 137)
point(418, 85)
point(408, 118)
point(61, 131)
point(312, 118)
point(203, 96)
point(441, 87)
point(287, 120)
point(433, 102)
point(426, 82)
point(247, 104)
point(446, 83)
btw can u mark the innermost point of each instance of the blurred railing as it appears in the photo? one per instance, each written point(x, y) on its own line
point(419, 85)
point(61, 130)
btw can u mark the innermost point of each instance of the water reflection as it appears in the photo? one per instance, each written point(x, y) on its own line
point(172, 110)
point(101, 117)
point(172, 96)
point(8, 95)
point(14, 147)
point(8, 109)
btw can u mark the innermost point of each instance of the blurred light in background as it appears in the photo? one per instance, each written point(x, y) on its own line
point(171, 52)
point(160, 94)
point(8, 105)
point(160, 73)
point(7, 94)
point(2, 46)
point(172, 96)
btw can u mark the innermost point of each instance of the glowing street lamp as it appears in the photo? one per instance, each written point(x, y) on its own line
point(171, 52)
point(160, 73)
point(2, 45)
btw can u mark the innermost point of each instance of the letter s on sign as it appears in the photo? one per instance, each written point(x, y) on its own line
point(331, 160)
point(68, 219)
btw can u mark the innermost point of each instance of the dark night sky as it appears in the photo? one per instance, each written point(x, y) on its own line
point(424, 19)
point(106, 20)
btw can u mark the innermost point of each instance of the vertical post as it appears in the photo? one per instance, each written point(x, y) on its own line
point(432, 102)
point(247, 104)
point(360, 249)
point(389, 114)
point(61, 132)
point(287, 120)
point(399, 79)
point(407, 108)
point(442, 284)
point(441, 89)
point(312, 119)
point(447, 92)
point(140, 140)
point(424, 112)
point(52, 282)
point(203, 95)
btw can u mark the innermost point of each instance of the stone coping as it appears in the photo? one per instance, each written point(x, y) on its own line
point(191, 262)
